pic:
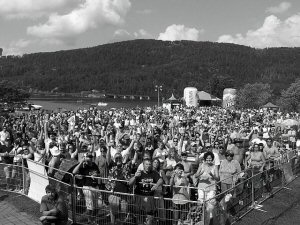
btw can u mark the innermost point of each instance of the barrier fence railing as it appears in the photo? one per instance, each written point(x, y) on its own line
point(248, 194)
point(105, 207)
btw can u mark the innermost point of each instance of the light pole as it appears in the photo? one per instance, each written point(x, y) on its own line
point(158, 88)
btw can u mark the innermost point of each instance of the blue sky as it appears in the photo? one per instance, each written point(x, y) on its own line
point(29, 26)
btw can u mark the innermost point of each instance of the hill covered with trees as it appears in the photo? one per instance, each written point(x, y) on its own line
point(134, 67)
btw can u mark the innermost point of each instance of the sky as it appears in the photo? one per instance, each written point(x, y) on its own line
point(29, 26)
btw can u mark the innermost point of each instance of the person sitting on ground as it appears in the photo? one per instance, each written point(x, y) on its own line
point(53, 208)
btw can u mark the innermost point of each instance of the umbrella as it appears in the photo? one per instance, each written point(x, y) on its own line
point(290, 122)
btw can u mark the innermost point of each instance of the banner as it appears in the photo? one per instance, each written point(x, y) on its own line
point(288, 172)
point(229, 98)
point(38, 180)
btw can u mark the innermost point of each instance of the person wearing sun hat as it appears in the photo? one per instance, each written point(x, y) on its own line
point(55, 158)
point(259, 139)
point(228, 168)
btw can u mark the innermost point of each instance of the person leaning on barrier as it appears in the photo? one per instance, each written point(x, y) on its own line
point(229, 170)
point(256, 158)
point(119, 175)
point(88, 169)
point(146, 181)
point(26, 154)
point(206, 178)
point(179, 183)
point(8, 161)
point(17, 151)
point(53, 208)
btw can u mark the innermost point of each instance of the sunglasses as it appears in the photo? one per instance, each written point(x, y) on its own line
point(231, 155)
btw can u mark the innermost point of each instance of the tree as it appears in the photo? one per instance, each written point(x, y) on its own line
point(10, 93)
point(218, 83)
point(290, 98)
point(253, 95)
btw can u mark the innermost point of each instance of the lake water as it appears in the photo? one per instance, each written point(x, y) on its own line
point(74, 104)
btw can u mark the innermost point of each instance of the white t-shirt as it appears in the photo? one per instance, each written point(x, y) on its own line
point(171, 162)
point(3, 136)
point(54, 151)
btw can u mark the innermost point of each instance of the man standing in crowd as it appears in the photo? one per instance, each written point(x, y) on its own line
point(146, 181)
point(4, 135)
point(8, 160)
point(89, 171)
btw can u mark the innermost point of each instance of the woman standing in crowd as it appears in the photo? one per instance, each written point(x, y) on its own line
point(179, 183)
point(160, 191)
point(229, 171)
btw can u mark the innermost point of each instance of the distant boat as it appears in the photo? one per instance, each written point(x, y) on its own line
point(31, 107)
point(102, 104)
point(37, 107)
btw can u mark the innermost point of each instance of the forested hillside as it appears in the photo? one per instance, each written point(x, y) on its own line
point(134, 67)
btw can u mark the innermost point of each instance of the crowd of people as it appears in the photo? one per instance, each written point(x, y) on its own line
point(186, 154)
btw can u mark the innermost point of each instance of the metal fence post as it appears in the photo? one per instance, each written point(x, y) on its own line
point(204, 212)
point(252, 188)
point(73, 199)
point(23, 176)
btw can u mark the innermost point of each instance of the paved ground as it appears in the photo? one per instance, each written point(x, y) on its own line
point(10, 215)
point(283, 209)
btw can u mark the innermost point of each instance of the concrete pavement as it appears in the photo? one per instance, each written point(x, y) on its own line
point(10, 215)
point(282, 209)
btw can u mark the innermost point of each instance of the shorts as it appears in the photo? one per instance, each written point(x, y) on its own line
point(117, 204)
point(90, 196)
point(145, 203)
point(16, 170)
point(8, 171)
point(206, 195)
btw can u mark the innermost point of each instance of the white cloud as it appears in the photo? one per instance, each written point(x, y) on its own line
point(281, 8)
point(273, 33)
point(144, 11)
point(124, 35)
point(29, 8)
point(141, 33)
point(17, 47)
point(12, 51)
point(88, 15)
point(180, 32)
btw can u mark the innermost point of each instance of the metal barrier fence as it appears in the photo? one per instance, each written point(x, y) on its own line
point(88, 204)
point(252, 190)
